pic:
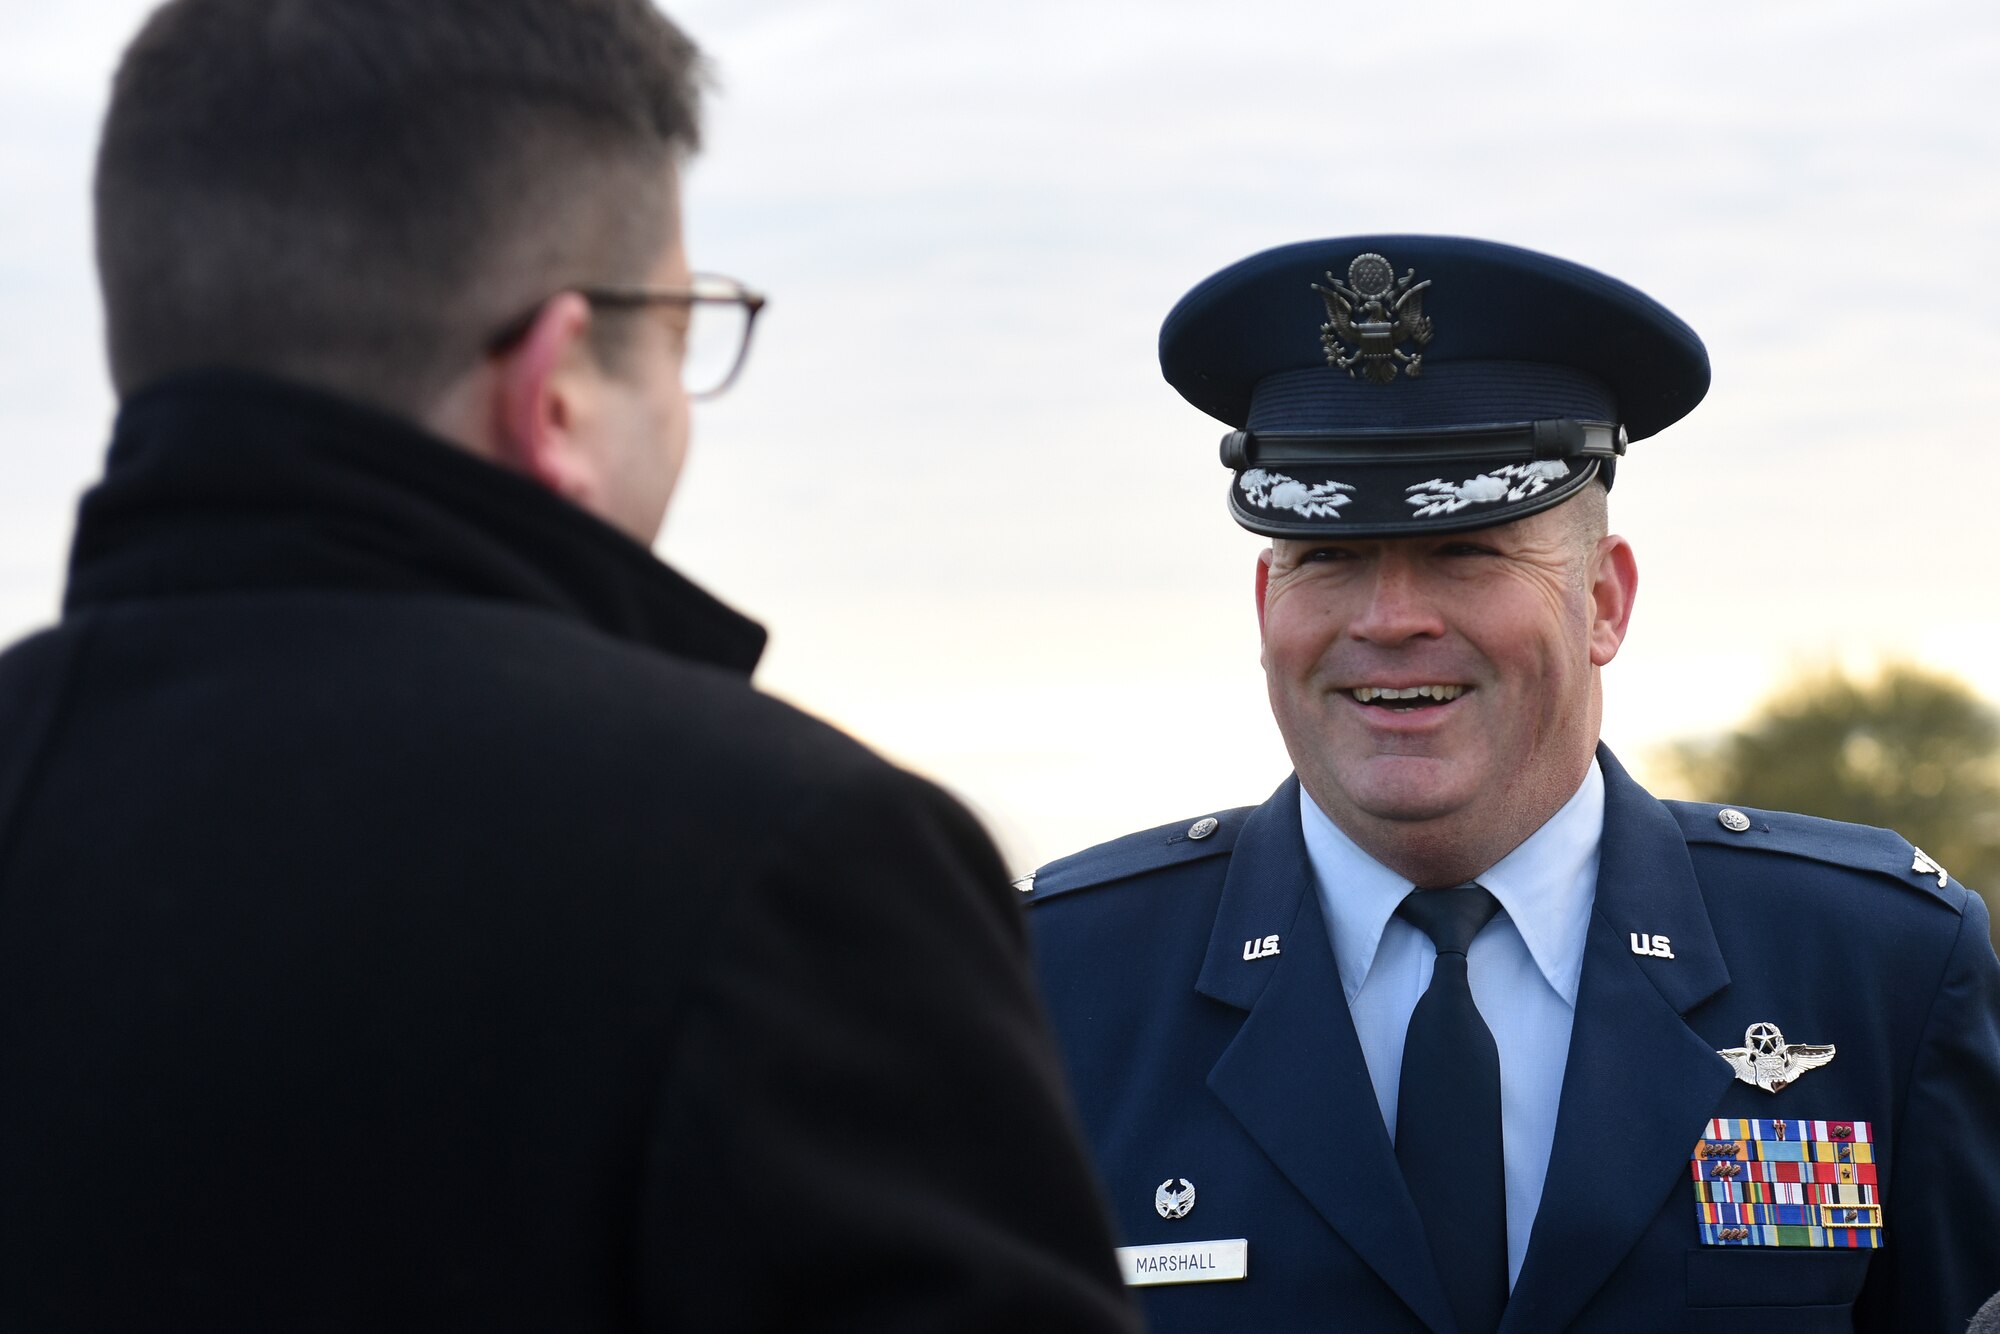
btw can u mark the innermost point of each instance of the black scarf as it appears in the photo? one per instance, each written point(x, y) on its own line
point(226, 482)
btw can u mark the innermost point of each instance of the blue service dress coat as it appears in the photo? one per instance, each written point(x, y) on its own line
point(1197, 1054)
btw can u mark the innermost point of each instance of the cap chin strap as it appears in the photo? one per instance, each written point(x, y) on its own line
point(1551, 438)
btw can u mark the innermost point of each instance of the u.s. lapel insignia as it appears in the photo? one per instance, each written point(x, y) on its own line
point(1260, 949)
point(1924, 865)
point(1370, 317)
point(1650, 946)
point(1767, 1061)
point(1175, 1198)
point(1787, 1183)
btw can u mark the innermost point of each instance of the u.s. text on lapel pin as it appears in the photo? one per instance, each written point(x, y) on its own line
point(1646, 945)
point(1788, 1182)
point(1767, 1061)
point(1260, 949)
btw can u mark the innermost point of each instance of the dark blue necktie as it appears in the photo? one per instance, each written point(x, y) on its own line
point(1448, 1114)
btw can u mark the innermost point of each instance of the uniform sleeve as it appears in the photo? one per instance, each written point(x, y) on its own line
point(865, 1127)
point(1941, 1259)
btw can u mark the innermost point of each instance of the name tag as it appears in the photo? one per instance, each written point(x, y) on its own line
point(1184, 1262)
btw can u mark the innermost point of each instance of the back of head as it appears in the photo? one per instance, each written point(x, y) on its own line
point(358, 193)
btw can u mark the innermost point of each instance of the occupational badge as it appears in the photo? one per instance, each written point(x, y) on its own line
point(1175, 1198)
point(1371, 317)
point(1787, 1183)
point(1926, 865)
point(1767, 1061)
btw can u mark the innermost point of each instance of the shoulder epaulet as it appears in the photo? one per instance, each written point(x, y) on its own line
point(1136, 854)
point(1858, 846)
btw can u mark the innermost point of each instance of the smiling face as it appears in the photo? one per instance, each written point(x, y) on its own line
point(1439, 695)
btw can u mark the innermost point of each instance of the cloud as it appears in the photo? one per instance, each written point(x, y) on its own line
point(951, 475)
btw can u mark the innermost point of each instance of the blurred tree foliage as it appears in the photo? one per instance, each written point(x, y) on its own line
point(1910, 750)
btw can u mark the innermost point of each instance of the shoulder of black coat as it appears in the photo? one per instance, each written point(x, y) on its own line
point(1858, 847)
point(1191, 840)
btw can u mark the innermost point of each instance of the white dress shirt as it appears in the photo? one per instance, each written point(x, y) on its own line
point(1523, 968)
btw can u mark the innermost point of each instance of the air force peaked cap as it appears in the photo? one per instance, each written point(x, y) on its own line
point(1394, 385)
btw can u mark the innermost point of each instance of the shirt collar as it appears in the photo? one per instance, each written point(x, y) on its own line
point(1545, 886)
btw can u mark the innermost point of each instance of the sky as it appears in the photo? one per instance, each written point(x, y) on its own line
point(989, 539)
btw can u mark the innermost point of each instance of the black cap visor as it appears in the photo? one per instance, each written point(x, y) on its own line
point(1401, 484)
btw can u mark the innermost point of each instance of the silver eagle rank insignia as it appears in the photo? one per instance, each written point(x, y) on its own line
point(1371, 316)
point(1767, 1061)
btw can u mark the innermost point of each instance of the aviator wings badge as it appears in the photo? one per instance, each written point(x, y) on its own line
point(1370, 318)
point(1768, 1062)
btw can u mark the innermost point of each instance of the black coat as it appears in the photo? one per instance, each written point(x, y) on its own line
point(410, 918)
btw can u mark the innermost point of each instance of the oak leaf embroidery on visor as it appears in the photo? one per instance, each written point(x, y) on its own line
point(1274, 490)
point(1516, 481)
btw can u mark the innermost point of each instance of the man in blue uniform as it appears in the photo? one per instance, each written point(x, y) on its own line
point(1462, 1030)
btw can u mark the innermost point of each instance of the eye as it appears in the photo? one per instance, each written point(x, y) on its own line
point(1466, 549)
point(1323, 554)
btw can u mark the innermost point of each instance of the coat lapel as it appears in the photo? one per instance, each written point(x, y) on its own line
point(1294, 1076)
point(1639, 1084)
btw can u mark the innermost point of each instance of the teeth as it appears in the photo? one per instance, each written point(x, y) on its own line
point(1442, 694)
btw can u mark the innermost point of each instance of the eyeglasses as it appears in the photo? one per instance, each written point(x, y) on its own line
point(721, 314)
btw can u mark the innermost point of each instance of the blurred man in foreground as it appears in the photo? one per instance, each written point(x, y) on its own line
point(1462, 1030)
point(410, 918)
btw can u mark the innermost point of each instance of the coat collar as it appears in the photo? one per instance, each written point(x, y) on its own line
point(229, 482)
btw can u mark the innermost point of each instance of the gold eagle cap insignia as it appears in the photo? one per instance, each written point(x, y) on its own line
point(1371, 317)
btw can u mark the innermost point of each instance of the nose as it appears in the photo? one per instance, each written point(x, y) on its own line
point(1400, 605)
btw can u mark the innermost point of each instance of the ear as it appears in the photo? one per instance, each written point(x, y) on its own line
point(1263, 582)
point(1614, 584)
point(537, 399)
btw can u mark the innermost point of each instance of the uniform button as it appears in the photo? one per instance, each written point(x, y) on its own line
point(1203, 827)
point(1733, 820)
